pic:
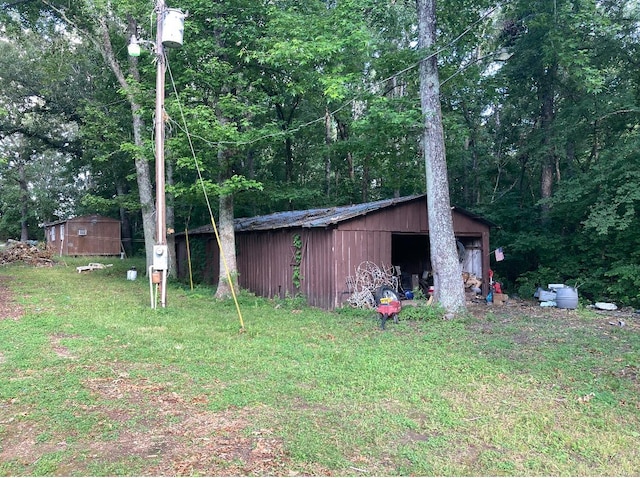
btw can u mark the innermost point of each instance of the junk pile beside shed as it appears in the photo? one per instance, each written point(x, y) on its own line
point(558, 295)
point(369, 277)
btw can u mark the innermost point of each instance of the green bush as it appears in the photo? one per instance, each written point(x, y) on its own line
point(423, 312)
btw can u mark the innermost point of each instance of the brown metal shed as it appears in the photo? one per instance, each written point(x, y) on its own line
point(313, 252)
point(91, 235)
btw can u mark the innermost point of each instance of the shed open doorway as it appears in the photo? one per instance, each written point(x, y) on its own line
point(411, 253)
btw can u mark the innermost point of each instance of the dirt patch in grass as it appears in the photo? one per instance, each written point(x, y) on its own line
point(527, 333)
point(9, 309)
point(59, 349)
point(179, 436)
point(138, 422)
point(145, 428)
point(529, 317)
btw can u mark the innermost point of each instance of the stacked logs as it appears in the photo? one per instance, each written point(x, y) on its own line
point(16, 251)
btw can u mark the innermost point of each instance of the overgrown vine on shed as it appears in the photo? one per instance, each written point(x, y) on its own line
point(297, 277)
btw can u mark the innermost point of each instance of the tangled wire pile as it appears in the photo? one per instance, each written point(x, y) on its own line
point(367, 279)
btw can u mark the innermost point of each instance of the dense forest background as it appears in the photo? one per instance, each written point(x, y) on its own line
point(310, 103)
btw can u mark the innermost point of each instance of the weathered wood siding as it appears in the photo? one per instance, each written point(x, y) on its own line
point(85, 236)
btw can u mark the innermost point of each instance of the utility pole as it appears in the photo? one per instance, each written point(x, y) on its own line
point(160, 250)
point(169, 31)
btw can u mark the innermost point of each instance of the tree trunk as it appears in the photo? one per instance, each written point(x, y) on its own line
point(24, 202)
point(546, 96)
point(228, 266)
point(127, 243)
point(143, 176)
point(228, 252)
point(170, 218)
point(327, 159)
point(449, 288)
point(145, 190)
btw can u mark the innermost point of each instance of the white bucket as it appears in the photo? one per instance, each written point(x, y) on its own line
point(132, 275)
point(172, 28)
point(567, 298)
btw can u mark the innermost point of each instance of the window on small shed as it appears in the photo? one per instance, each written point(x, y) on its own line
point(82, 232)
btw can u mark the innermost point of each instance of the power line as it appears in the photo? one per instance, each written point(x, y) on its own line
point(370, 89)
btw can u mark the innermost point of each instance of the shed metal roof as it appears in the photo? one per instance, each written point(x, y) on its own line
point(322, 217)
point(88, 218)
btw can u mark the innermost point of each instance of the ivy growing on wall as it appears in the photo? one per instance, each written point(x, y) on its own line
point(297, 260)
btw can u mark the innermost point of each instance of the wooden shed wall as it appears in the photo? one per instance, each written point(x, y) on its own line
point(52, 237)
point(85, 236)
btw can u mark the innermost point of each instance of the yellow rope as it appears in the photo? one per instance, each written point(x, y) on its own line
point(206, 197)
point(226, 269)
point(186, 236)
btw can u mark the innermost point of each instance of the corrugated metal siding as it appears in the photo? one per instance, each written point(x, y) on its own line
point(317, 268)
point(205, 259)
point(266, 258)
point(182, 259)
point(464, 225)
point(407, 217)
point(265, 262)
point(211, 271)
point(351, 248)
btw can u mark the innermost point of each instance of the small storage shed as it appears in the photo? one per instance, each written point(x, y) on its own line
point(314, 252)
point(91, 235)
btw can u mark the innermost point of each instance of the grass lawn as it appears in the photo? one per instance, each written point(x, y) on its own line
point(95, 382)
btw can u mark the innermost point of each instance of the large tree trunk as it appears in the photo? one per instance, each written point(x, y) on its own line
point(127, 243)
point(228, 266)
point(549, 159)
point(449, 288)
point(143, 176)
point(145, 190)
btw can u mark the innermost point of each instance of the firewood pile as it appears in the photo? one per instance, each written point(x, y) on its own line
point(16, 251)
point(471, 281)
